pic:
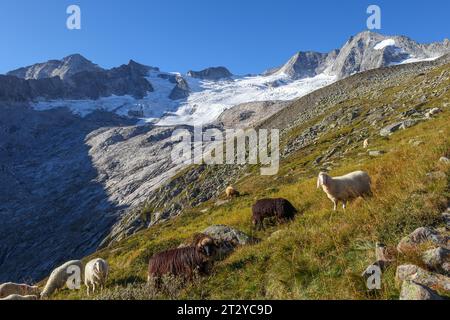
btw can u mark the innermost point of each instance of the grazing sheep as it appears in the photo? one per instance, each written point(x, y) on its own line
point(204, 243)
point(183, 261)
point(231, 192)
point(95, 273)
point(59, 277)
point(280, 208)
point(19, 297)
point(366, 144)
point(9, 288)
point(345, 188)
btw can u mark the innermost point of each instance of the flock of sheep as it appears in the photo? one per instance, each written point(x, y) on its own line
point(196, 257)
point(95, 274)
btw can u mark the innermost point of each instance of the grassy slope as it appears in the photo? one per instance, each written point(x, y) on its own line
point(321, 254)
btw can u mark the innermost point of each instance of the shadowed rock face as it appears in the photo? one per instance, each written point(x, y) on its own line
point(51, 206)
point(305, 64)
point(13, 89)
point(66, 182)
point(181, 89)
point(214, 73)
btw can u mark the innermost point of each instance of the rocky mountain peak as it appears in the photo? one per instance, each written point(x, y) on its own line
point(304, 64)
point(363, 51)
point(63, 68)
point(143, 69)
point(369, 50)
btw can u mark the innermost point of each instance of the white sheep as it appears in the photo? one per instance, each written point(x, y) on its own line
point(19, 297)
point(345, 188)
point(58, 278)
point(231, 192)
point(9, 288)
point(96, 273)
point(366, 144)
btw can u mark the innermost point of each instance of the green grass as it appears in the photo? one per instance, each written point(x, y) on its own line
point(321, 254)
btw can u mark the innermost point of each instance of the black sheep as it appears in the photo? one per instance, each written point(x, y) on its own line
point(279, 208)
point(183, 262)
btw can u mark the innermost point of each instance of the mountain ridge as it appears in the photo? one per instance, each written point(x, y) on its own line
point(143, 92)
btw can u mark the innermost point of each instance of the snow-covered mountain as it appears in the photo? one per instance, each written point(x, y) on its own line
point(369, 50)
point(146, 93)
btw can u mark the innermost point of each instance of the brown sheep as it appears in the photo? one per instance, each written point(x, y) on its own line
point(279, 208)
point(231, 192)
point(185, 261)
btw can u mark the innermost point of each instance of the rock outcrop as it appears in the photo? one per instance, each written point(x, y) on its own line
point(423, 235)
point(181, 90)
point(213, 73)
point(307, 64)
point(390, 129)
point(248, 115)
point(228, 238)
point(438, 259)
point(415, 291)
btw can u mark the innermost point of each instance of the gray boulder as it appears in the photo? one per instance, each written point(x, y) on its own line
point(229, 234)
point(430, 279)
point(415, 291)
point(421, 236)
point(438, 259)
point(390, 129)
point(228, 238)
point(434, 111)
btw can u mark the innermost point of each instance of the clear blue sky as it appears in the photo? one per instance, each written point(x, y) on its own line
point(247, 36)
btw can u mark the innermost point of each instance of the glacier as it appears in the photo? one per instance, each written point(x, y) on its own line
point(207, 100)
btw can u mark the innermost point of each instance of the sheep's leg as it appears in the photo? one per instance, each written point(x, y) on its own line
point(368, 194)
point(335, 203)
point(87, 289)
point(93, 287)
point(344, 205)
